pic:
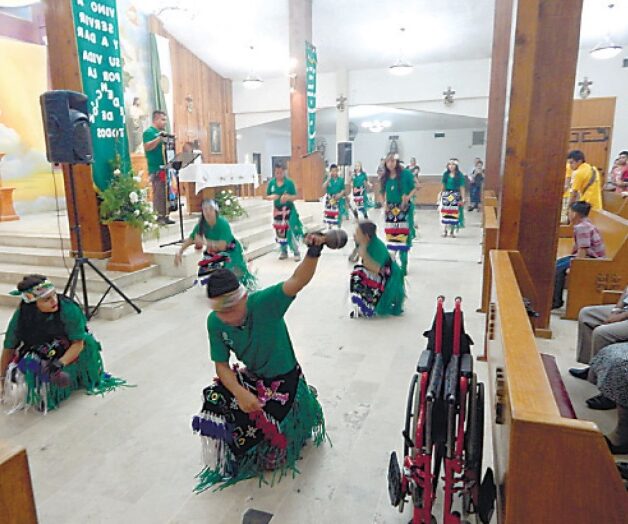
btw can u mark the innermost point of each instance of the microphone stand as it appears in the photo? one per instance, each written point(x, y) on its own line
point(177, 163)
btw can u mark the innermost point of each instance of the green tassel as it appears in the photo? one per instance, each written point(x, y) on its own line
point(305, 421)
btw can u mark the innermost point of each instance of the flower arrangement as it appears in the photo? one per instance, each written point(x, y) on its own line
point(125, 201)
point(229, 205)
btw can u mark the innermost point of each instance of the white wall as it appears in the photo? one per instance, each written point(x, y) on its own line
point(431, 153)
point(609, 79)
point(256, 140)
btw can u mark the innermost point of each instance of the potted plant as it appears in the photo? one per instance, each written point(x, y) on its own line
point(126, 212)
point(229, 205)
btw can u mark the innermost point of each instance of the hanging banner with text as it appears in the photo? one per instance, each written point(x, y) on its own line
point(98, 45)
point(310, 90)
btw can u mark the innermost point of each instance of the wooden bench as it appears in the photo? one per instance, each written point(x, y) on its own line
point(17, 505)
point(548, 468)
point(489, 241)
point(615, 203)
point(589, 277)
point(489, 198)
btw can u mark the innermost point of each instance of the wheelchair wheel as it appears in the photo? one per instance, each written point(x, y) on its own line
point(474, 444)
point(394, 480)
point(410, 422)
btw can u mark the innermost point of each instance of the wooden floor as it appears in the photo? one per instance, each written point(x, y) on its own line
point(131, 457)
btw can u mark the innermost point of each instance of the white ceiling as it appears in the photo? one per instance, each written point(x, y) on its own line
point(352, 34)
point(401, 120)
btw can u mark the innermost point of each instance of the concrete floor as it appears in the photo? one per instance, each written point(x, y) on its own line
point(130, 457)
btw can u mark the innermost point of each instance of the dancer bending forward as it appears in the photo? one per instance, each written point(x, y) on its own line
point(377, 285)
point(256, 418)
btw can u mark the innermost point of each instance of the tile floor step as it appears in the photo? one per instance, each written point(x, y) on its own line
point(35, 256)
point(35, 240)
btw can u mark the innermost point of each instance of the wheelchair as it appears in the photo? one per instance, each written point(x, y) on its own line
point(444, 427)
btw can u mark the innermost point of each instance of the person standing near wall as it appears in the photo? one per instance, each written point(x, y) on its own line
point(155, 151)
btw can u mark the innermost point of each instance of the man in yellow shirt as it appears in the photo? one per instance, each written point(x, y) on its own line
point(586, 182)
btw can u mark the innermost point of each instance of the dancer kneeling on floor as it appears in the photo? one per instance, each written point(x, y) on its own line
point(256, 418)
point(377, 285)
point(48, 351)
point(222, 249)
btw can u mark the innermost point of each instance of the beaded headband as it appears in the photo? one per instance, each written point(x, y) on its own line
point(33, 294)
point(228, 300)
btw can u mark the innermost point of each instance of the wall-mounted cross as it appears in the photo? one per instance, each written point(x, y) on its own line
point(449, 96)
point(585, 90)
point(341, 103)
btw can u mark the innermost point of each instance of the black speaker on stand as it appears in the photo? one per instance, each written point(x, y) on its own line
point(69, 141)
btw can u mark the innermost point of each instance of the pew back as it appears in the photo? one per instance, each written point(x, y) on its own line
point(548, 468)
point(615, 203)
point(17, 505)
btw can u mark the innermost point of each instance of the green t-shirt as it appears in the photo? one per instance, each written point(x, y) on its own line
point(335, 186)
point(221, 230)
point(155, 157)
point(453, 183)
point(72, 318)
point(360, 179)
point(377, 251)
point(403, 184)
point(262, 343)
point(287, 187)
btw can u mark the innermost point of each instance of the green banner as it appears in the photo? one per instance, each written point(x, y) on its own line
point(98, 45)
point(311, 61)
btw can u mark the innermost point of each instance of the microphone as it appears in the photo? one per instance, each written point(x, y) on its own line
point(334, 239)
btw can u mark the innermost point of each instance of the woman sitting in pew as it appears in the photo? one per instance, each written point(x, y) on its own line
point(587, 244)
point(609, 371)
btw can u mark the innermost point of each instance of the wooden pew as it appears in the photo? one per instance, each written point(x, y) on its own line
point(548, 468)
point(489, 198)
point(17, 505)
point(589, 277)
point(615, 203)
point(489, 242)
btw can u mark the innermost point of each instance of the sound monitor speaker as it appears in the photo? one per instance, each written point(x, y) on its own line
point(66, 127)
point(345, 153)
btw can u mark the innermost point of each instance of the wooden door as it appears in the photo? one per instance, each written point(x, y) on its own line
point(594, 143)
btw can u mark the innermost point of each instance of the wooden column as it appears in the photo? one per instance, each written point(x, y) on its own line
point(541, 95)
point(300, 31)
point(502, 31)
point(17, 504)
point(65, 74)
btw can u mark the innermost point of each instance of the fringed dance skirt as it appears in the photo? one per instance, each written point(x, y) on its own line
point(331, 215)
point(233, 259)
point(28, 384)
point(397, 228)
point(281, 224)
point(360, 199)
point(238, 445)
point(367, 288)
point(450, 208)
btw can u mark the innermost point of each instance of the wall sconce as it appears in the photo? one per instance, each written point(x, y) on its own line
point(190, 103)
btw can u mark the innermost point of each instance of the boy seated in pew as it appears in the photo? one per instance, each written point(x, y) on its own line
point(587, 244)
point(598, 327)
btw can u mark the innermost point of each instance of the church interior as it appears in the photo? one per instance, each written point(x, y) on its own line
point(306, 261)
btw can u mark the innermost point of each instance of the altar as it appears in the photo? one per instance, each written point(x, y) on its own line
point(219, 175)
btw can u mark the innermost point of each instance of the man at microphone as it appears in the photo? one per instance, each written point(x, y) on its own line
point(155, 151)
point(257, 418)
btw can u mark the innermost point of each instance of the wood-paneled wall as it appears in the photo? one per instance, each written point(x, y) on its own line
point(211, 102)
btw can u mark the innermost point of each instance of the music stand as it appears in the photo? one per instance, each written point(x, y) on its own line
point(180, 161)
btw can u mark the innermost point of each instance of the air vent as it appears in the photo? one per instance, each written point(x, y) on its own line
point(625, 62)
point(477, 138)
point(439, 135)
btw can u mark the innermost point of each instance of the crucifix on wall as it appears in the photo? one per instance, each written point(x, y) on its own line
point(449, 96)
point(585, 90)
point(341, 103)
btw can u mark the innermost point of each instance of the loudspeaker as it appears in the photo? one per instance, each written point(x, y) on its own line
point(345, 154)
point(66, 127)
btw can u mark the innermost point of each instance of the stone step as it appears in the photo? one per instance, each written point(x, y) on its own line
point(35, 240)
point(12, 274)
point(35, 256)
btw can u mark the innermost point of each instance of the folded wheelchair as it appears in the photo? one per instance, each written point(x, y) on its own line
point(444, 425)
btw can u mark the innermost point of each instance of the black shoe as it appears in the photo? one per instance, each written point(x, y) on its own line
point(169, 221)
point(557, 305)
point(616, 450)
point(600, 403)
point(581, 373)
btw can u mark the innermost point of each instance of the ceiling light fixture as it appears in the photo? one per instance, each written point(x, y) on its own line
point(606, 48)
point(252, 81)
point(376, 126)
point(401, 67)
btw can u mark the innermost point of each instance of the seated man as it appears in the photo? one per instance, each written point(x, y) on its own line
point(598, 327)
point(587, 244)
point(256, 418)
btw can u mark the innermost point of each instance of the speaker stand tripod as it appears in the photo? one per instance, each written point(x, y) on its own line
point(80, 261)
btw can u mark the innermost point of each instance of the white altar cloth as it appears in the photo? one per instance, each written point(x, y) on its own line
point(217, 175)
